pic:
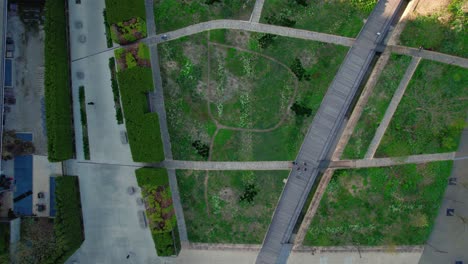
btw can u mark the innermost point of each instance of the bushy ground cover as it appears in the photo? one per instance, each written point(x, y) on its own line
point(174, 14)
point(4, 240)
point(240, 204)
point(380, 206)
point(445, 31)
point(159, 209)
point(57, 84)
point(123, 10)
point(133, 56)
point(84, 123)
point(126, 19)
point(115, 91)
point(376, 106)
point(108, 31)
point(252, 86)
point(432, 113)
point(68, 227)
point(142, 126)
point(344, 18)
point(129, 31)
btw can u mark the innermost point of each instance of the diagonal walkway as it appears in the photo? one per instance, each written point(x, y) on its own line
point(430, 55)
point(158, 97)
point(257, 11)
point(324, 131)
point(253, 27)
point(392, 108)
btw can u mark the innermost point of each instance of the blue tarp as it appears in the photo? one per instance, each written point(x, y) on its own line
point(8, 71)
point(52, 196)
point(23, 177)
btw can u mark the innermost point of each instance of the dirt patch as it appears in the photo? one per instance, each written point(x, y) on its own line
point(171, 66)
point(238, 38)
point(227, 194)
point(307, 59)
point(354, 184)
point(427, 7)
point(194, 52)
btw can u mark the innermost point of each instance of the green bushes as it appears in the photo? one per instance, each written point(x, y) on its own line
point(128, 31)
point(158, 202)
point(108, 32)
point(68, 221)
point(115, 91)
point(122, 10)
point(57, 89)
point(142, 127)
point(84, 123)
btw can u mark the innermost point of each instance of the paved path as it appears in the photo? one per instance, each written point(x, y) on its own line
point(253, 27)
point(257, 11)
point(430, 55)
point(158, 97)
point(392, 107)
point(323, 133)
point(449, 238)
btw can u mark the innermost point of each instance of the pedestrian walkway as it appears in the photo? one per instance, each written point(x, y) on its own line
point(257, 11)
point(392, 108)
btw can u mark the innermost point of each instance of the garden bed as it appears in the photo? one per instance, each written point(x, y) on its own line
point(115, 91)
point(237, 208)
point(128, 31)
point(432, 113)
point(264, 91)
point(380, 206)
point(57, 84)
point(159, 209)
point(344, 18)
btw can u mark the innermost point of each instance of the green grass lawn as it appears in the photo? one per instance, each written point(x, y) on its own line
point(344, 18)
point(432, 113)
point(445, 31)
point(250, 87)
point(376, 106)
point(380, 206)
point(159, 209)
point(174, 14)
point(230, 220)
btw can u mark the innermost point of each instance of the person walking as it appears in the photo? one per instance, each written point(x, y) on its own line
point(91, 103)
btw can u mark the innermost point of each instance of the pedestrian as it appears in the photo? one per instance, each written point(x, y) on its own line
point(91, 103)
point(420, 48)
point(128, 256)
point(378, 33)
point(298, 168)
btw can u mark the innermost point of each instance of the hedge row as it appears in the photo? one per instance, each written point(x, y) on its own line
point(108, 32)
point(57, 90)
point(158, 202)
point(84, 123)
point(123, 10)
point(142, 126)
point(68, 221)
point(115, 91)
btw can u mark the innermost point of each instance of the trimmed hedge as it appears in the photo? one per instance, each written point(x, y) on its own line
point(56, 81)
point(108, 31)
point(123, 10)
point(115, 91)
point(67, 223)
point(142, 126)
point(84, 123)
point(160, 211)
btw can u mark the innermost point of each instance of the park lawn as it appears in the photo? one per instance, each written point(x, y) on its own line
point(159, 209)
point(432, 113)
point(344, 18)
point(380, 206)
point(184, 68)
point(142, 126)
point(445, 31)
point(174, 14)
point(230, 220)
point(376, 106)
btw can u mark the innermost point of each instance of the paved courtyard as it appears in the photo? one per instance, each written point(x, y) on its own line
point(110, 216)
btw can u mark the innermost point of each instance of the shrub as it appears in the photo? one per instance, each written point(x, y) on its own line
point(142, 127)
point(115, 91)
point(159, 208)
point(122, 10)
point(84, 123)
point(301, 110)
point(128, 31)
point(56, 81)
point(202, 149)
point(108, 31)
point(68, 227)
